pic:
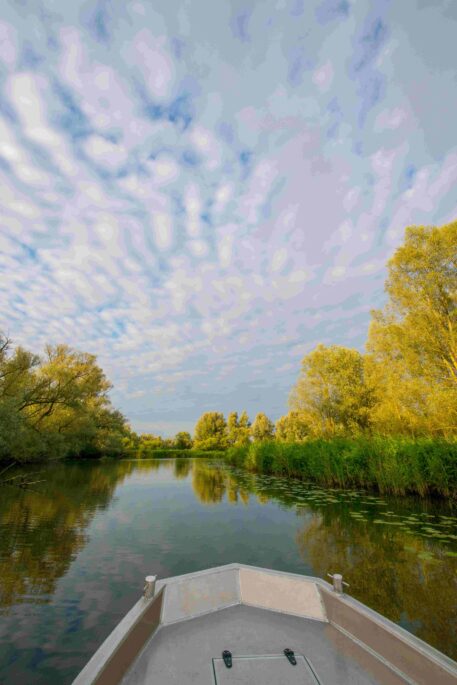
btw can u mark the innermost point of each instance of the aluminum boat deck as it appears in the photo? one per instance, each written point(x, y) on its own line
point(177, 635)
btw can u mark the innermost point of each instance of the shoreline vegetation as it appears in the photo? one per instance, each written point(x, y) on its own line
point(389, 465)
point(385, 418)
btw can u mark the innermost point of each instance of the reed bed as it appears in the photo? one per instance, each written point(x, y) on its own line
point(393, 465)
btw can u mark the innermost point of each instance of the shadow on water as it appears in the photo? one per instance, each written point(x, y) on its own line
point(74, 548)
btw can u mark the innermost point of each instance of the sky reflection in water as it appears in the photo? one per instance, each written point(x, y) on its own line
point(75, 549)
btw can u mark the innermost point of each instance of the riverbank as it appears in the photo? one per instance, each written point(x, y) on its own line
point(128, 454)
point(172, 454)
point(390, 465)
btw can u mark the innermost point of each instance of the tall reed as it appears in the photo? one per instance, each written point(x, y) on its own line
point(395, 465)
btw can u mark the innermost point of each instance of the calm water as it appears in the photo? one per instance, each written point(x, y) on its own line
point(74, 551)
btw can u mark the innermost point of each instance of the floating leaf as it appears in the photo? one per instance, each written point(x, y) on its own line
point(425, 555)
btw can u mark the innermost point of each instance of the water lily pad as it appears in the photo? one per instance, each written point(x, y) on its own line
point(448, 553)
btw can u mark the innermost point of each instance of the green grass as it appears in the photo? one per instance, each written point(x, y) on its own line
point(389, 464)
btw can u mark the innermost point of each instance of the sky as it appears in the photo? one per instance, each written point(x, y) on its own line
point(201, 192)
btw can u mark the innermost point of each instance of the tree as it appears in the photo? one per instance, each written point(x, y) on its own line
point(331, 393)
point(292, 428)
point(211, 432)
point(232, 427)
point(238, 429)
point(412, 343)
point(55, 406)
point(262, 428)
point(244, 430)
point(149, 442)
point(183, 441)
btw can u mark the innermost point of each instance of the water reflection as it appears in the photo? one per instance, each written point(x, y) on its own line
point(42, 528)
point(384, 575)
point(103, 524)
point(398, 554)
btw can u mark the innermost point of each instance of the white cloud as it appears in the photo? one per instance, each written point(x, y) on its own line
point(351, 199)
point(196, 249)
point(163, 230)
point(390, 119)
point(193, 206)
point(25, 92)
point(222, 196)
point(206, 144)
point(104, 152)
point(150, 53)
point(279, 259)
point(8, 44)
point(199, 248)
point(323, 76)
point(256, 194)
point(225, 248)
point(164, 170)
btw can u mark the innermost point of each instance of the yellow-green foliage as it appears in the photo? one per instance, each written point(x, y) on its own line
point(412, 344)
point(56, 406)
point(262, 428)
point(331, 394)
point(406, 383)
point(292, 428)
point(238, 428)
point(211, 432)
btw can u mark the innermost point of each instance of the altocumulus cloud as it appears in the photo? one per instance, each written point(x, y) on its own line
point(199, 196)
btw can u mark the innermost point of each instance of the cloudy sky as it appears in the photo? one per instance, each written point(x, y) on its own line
point(200, 192)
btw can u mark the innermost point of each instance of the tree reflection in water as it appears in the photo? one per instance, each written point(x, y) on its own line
point(392, 561)
point(42, 528)
point(407, 577)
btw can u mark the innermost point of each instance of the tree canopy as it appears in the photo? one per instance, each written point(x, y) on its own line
point(331, 393)
point(262, 428)
point(412, 342)
point(292, 427)
point(406, 383)
point(55, 405)
point(211, 432)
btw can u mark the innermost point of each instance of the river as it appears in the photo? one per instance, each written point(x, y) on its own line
point(75, 547)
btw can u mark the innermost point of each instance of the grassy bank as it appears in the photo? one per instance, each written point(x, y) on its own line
point(172, 454)
point(390, 465)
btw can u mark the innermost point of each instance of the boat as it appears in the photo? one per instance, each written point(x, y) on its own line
point(240, 625)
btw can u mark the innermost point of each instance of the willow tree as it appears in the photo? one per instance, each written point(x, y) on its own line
point(211, 432)
point(412, 343)
point(263, 428)
point(292, 427)
point(55, 406)
point(183, 440)
point(238, 428)
point(331, 393)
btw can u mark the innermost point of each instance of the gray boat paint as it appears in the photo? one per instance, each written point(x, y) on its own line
point(185, 599)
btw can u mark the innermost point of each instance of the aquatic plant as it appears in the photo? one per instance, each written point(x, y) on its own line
point(389, 464)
